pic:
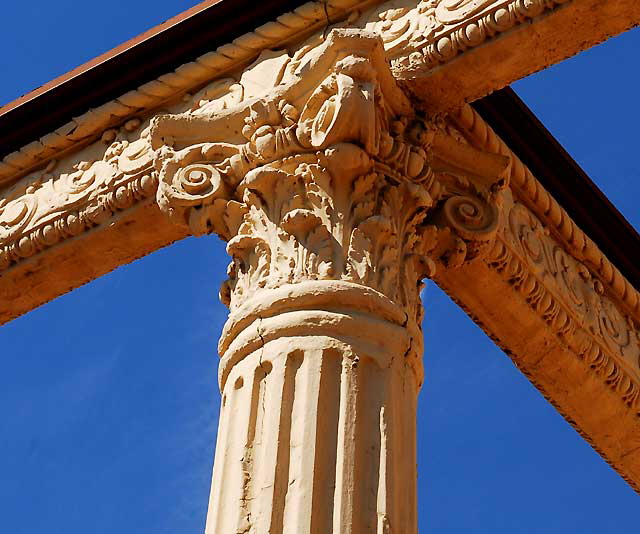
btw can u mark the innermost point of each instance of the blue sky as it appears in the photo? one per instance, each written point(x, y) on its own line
point(108, 395)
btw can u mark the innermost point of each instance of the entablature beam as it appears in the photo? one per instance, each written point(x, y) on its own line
point(447, 52)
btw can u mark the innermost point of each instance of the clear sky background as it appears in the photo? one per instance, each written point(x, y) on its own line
point(108, 395)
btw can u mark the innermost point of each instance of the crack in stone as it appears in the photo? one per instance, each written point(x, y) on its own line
point(260, 364)
point(259, 329)
point(326, 14)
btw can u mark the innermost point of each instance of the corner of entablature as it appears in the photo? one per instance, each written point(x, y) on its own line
point(560, 273)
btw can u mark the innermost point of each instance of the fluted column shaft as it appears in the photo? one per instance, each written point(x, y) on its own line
point(317, 428)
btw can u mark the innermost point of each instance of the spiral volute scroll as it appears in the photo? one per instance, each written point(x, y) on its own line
point(15, 215)
point(192, 184)
point(471, 217)
point(197, 182)
point(188, 186)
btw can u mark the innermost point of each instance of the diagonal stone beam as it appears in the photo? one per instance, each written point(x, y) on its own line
point(82, 255)
point(562, 312)
point(77, 220)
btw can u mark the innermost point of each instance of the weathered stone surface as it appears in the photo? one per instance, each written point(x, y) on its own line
point(319, 385)
point(337, 194)
point(447, 52)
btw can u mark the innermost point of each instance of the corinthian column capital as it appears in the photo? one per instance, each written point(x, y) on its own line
point(330, 176)
point(336, 199)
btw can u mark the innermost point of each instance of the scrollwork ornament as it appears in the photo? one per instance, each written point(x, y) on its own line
point(16, 215)
point(187, 180)
point(135, 157)
point(453, 11)
point(399, 26)
point(573, 284)
point(434, 31)
point(48, 208)
point(330, 181)
point(471, 217)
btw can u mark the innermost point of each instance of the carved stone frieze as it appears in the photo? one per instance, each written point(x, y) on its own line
point(40, 212)
point(419, 36)
point(562, 274)
point(574, 303)
point(528, 190)
point(336, 91)
point(44, 209)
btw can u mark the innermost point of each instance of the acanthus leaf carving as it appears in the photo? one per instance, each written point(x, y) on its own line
point(327, 223)
point(339, 104)
point(331, 176)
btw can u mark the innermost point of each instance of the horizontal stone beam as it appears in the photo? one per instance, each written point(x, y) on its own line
point(484, 46)
point(78, 259)
point(446, 52)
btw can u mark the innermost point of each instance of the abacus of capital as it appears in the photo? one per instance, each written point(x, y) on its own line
point(338, 186)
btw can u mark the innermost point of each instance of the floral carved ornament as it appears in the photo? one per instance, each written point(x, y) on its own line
point(434, 31)
point(334, 176)
point(55, 207)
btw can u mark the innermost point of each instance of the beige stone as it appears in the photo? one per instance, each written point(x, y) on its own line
point(338, 184)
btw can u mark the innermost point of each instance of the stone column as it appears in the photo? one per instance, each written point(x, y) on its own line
point(321, 355)
point(336, 200)
point(317, 431)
